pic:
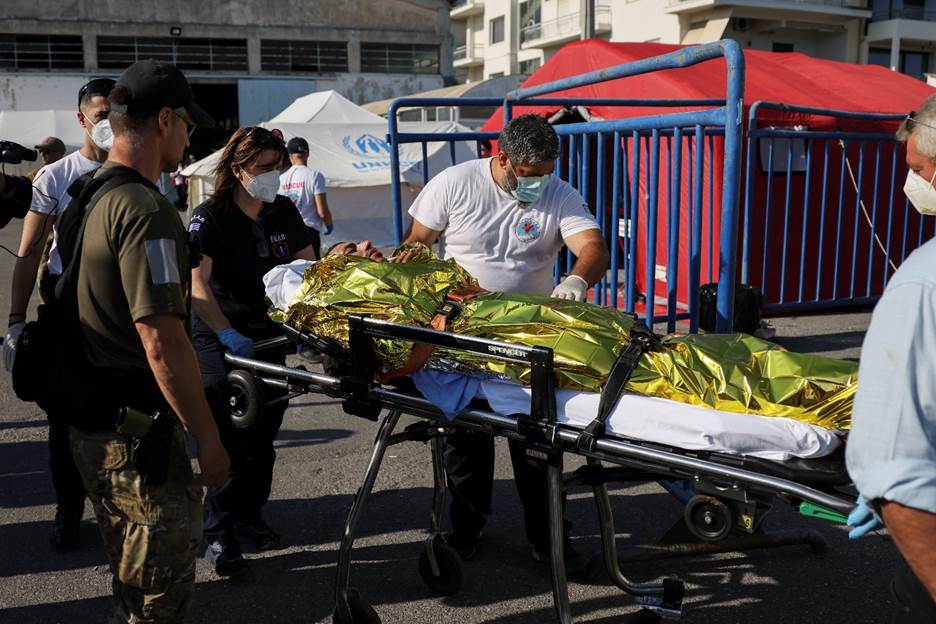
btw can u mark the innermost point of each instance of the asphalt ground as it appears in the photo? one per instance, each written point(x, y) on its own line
point(322, 454)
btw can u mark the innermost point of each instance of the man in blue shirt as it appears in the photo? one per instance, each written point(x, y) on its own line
point(891, 450)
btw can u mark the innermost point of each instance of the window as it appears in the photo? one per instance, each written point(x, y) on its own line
point(879, 56)
point(911, 62)
point(496, 29)
point(41, 52)
point(496, 75)
point(914, 64)
point(782, 47)
point(529, 66)
point(186, 54)
point(399, 58)
point(303, 56)
point(530, 13)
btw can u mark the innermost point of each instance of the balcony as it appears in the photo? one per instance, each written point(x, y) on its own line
point(918, 13)
point(468, 56)
point(849, 8)
point(563, 29)
point(463, 9)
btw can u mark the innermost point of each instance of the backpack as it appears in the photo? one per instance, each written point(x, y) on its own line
point(51, 367)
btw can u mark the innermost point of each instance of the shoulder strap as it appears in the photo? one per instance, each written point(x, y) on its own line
point(87, 191)
point(642, 340)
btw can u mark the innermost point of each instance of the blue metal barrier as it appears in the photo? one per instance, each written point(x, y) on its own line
point(644, 177)
point(825, 219)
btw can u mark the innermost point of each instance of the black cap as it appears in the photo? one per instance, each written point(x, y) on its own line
point(297, 145)
point(151, 85)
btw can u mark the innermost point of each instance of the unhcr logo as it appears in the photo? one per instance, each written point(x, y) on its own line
point(374, 153)
point(366, 146)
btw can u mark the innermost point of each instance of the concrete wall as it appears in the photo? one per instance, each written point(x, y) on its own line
point(60, 92)
point(23, 92)
point(305, 15)
point(354, 21)
point(499, 58)
point(363, 88)
point(643, 20)
point(827, 45)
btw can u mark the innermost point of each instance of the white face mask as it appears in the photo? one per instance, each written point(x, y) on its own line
point(264, 186)
point(921, 193)
point(101, 134)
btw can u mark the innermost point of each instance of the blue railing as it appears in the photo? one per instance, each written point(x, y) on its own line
point(634, 171)
point(825, 219)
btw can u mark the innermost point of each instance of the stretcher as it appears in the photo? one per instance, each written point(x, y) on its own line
point(731, 490)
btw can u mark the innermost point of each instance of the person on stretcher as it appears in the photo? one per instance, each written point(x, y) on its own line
point(728, 372)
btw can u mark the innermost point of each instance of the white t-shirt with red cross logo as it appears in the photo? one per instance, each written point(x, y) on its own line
point(506, 245)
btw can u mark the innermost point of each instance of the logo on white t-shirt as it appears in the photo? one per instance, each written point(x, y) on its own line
point(528, 230)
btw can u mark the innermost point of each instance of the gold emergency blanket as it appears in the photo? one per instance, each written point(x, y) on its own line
point(730, 372)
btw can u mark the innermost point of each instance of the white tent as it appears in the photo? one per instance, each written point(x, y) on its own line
point(354, 157)
point(325, 107)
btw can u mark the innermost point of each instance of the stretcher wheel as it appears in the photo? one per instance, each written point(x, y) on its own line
point(449, 580)
point(361, 611)
point(708, 518)
point(245, 398)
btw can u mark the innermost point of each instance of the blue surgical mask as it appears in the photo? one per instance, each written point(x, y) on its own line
point(529, 188)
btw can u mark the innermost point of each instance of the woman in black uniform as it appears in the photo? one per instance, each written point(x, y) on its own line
point(244, 229)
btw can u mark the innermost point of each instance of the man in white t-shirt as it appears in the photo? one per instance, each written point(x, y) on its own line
point(306, 188)
point(504, 219)
point(50, 197)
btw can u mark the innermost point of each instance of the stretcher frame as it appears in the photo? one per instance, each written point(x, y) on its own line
point(546, 440)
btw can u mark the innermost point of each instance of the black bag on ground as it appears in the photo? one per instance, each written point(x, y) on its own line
point(748, 307)
point(51, 368)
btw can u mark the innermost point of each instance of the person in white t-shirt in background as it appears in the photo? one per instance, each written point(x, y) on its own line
point(306, 188)
point(50, 197)
point(504, 219)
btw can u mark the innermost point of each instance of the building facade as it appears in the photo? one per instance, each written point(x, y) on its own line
point(245, 60)
point(495, 37)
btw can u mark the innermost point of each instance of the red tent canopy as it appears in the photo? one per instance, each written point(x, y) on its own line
point(787, 77)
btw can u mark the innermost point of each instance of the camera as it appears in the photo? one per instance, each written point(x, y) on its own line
point(15, 191)
point(14, 153)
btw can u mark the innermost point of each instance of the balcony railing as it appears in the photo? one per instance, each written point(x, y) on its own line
point(464, 52)
point(907, 12)
point(564, 26)
point(466, 4)
point(845, 4)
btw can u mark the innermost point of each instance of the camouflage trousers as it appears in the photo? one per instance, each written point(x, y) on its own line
point(152, 532)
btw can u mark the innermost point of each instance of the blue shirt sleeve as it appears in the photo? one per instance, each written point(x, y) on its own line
point(891, 450)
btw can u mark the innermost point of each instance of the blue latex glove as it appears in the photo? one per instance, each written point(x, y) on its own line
point(236, 342)
point(863, 519)
point(329, 228)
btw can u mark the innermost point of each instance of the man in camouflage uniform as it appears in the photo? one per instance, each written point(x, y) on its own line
point(133, 291)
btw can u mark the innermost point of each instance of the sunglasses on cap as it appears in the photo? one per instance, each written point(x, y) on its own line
point(98, 86)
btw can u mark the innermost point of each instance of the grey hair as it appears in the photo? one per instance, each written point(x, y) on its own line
point(529, 140)
point(922, 125)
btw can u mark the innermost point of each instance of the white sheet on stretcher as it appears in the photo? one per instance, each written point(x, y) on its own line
point(677, 424)
point(637, 417)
